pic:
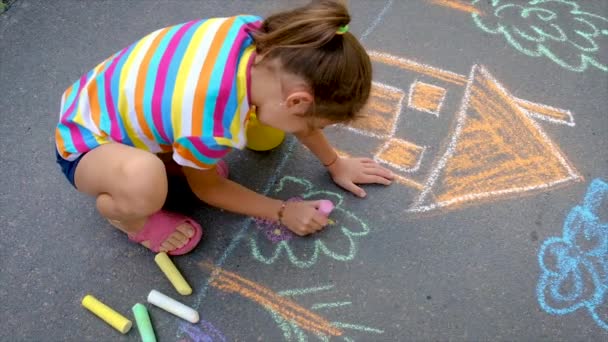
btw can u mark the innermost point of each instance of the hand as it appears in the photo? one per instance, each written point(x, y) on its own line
point(303, 218)
point(347, 172)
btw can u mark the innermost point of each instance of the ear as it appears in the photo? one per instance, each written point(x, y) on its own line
point(299, 101)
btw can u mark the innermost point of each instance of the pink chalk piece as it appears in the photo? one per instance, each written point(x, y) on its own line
point(326, 207)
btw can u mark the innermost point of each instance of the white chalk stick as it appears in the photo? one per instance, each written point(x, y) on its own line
point(172, 306)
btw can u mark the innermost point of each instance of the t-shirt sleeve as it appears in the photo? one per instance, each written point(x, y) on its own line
point(198, 153)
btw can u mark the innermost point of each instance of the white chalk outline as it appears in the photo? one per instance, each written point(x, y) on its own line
point(570, 122)
point(455, 76)
point(411, 105)
point(413, 169)
point(407, 61)
point(440, 165)
point(461, 118)
point(396, 114)
point(417, 206)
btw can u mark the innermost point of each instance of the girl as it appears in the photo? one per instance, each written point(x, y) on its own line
point(189, 90)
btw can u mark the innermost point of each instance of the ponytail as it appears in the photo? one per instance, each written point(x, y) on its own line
point(312, 42)
point(310, 26)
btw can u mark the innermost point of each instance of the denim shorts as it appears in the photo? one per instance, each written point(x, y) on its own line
point(68, 167)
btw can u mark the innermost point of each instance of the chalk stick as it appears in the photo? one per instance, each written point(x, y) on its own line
point(143, 323)
point(172, 306)
point(173, 274)
point(107, 314)
point(326, 207)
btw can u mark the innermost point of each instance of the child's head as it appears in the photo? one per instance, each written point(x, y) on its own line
point(309, 72)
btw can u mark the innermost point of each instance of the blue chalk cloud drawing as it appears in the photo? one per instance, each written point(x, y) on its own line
point(574, 267)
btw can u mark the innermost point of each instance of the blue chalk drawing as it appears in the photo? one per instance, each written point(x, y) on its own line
point(574, 267)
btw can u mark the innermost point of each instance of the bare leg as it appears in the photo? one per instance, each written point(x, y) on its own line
point(130, 185)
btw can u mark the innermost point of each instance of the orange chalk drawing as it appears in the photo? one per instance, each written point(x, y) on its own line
point(421, 69)
point(401, 154)
point(426, 97)
point(407, 182)
point(457, 5)
point(289, 310)
point(380, 116)
point(546, 113)
point(494, 149)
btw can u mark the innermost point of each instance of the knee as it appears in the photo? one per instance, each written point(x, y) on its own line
point(145, 184)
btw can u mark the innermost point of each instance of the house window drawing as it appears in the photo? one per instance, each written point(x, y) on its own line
point(426, 97)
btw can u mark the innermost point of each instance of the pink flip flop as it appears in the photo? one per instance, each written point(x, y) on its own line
point(161, 225)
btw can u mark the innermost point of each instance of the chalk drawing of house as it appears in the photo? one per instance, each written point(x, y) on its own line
point(494, 147)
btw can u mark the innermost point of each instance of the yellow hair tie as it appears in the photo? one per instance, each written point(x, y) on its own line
point(342, 30)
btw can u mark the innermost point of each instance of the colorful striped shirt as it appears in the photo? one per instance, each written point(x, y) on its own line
point(183, 88)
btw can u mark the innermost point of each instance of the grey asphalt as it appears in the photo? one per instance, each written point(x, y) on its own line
point(380, 274)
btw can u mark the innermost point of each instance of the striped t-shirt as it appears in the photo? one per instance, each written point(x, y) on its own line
point(183, 88)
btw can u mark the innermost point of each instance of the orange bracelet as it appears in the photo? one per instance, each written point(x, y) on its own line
point(281, 211)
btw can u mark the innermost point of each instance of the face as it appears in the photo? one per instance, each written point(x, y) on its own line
point(282, 99)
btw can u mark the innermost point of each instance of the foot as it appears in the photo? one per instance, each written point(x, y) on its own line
point(176, 240)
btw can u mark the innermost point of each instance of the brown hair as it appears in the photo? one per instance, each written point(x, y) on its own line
point(307, 43)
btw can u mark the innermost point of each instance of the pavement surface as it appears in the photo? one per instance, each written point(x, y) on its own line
point(493, 115)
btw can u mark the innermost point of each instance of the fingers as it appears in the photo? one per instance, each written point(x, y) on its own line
point(370, 167)
point(308, 219)
point(314, 225)
point(320, 220)
point(378, 170)
point(377, 174)
point(352, 187)
point(369, 179)
point(386, 174)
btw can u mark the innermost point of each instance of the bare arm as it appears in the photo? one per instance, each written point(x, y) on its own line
point(302, 218)
point(226, 194)
point(319, 146)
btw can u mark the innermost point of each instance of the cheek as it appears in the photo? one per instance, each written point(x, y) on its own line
point(300, 126)
point(275, 116)
point(265, 115)
point(270, 116)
